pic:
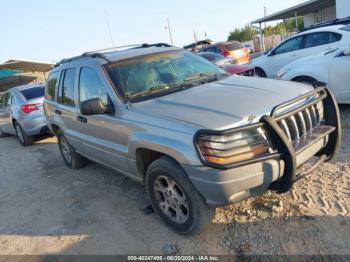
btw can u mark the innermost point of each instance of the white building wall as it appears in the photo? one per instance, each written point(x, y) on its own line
point(343, 8)
point(323, 15)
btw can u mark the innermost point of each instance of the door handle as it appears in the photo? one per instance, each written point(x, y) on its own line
point(82, 119)
point(58, 112)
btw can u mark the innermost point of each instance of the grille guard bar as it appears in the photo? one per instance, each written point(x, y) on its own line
point(331, 118)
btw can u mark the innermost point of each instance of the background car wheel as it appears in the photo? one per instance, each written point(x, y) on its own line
point(22, 137)
point(174, 198)
point(2, 134)
point(70, 156)
point(306, 80)
point(260, 73)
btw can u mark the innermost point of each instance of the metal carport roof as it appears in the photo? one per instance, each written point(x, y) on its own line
point(301, 9)
point(26, 66)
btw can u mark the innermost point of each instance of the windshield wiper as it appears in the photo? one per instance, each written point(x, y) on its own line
point(152, 90)
point(204, 77)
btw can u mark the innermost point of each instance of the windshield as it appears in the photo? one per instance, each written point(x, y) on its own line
point(158, 74)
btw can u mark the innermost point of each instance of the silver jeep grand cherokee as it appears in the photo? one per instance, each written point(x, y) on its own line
point(196, 137)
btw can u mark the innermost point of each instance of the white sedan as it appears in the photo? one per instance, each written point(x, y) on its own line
point(310, 42)
point(332, 68)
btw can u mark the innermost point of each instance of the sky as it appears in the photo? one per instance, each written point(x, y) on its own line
point(49, 31)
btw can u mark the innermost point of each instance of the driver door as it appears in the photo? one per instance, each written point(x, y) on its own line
point(284, 54)
point(104, 136)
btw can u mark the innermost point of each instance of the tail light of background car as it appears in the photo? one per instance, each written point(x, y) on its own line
point(28, 108)
point(226, 53)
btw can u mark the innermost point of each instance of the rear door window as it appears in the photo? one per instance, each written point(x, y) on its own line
point(66, 96)
point(34, 92)
point(52, 83)
point(321, 38)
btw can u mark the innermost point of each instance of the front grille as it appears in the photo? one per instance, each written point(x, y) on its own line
point(301, 123)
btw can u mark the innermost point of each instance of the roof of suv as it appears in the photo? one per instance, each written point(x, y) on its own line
point(129, 53)
point(105, 56)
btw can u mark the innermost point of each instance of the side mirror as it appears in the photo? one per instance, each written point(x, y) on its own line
point(346, 51)
point(95, 106)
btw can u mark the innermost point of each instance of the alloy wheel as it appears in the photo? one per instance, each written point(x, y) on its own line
point(171, 199)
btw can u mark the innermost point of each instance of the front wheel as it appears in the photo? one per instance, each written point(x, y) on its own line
point(260, 73)
point(174, 198)
point(22, 137)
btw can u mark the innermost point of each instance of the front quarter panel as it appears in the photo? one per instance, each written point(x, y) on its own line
point(318, 72)
point(176, 145)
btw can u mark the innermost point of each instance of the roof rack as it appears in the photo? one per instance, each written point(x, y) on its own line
point(134, 46)
point(339, 21)
point(92, 55)
point(99, 53)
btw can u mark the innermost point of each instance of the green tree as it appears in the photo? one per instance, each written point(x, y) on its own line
point(243, 34)
point(247, 33)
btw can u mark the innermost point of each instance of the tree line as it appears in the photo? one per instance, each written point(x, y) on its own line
point(248, 32)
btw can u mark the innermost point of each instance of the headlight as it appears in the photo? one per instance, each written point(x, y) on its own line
point(282, 73)
point(233, 147)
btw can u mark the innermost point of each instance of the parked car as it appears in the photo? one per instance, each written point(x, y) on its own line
point(21, 113)
point(195, 136)
point(331, 67)
point(232, 49)
point(195, 47)
point(310, 42)
point(226, 64)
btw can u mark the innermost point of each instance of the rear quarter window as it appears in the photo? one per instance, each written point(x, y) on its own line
point(33, 92)
point(52, 83)
point(233, 46)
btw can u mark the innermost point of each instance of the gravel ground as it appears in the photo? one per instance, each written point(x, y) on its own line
point(47, 208)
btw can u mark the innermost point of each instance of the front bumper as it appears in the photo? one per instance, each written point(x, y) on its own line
point(278, 171)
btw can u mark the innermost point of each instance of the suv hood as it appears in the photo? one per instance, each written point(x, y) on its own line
point(224, 104)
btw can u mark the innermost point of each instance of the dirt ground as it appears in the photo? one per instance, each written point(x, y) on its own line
point(46, 208)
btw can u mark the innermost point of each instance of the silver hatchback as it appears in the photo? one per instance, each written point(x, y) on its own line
point(21, 113)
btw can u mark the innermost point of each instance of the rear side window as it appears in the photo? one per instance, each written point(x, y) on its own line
point(34, 92)
point(322, 38)
point(52, 83)
point(233, 46)
point(66, 96)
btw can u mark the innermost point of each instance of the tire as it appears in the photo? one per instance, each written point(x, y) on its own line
point(21, 135)
point(72, 159)
point(2, 134)
point(260, 73)
point(306, 80)
point(166, 174)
